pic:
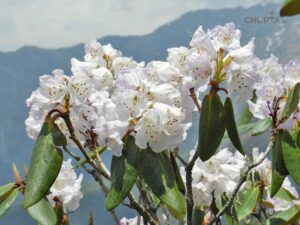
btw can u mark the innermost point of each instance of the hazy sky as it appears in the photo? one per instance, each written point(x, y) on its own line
point(62, 23)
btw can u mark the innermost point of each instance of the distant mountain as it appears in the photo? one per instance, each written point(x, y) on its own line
point(19, 72)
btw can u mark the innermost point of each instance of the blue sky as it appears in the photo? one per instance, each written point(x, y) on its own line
point(62, 23)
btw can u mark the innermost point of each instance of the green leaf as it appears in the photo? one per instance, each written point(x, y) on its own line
point(43, 213)
point(124, 172)
point(261, 126)
point(59, 138)
point(276, 182)
point(290, 8)
point(45, 164)
point(231, 126)
point(291, 103)
point(286, 217)
point(82, 161)
point(248, 203)
point(291, 156)
point(157, 172)
point(285, 195)
point(278, 161)
point(5, 189)
point(246, 116)
point(242, 129)
point(279, 170)
point(9, 200)
point(212, 126)
point(198, 216)
point(178, 176)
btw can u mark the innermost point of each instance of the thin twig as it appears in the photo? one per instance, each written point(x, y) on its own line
point(74, 138)
point(240, 183)
point(195, 99)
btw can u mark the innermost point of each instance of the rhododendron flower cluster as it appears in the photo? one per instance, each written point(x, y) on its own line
point(215, 176)
point(109, 95)
point(273, 85)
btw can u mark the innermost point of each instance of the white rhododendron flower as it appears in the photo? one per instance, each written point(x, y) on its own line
point(66, 188)
point(217, 55)
point(217, 175)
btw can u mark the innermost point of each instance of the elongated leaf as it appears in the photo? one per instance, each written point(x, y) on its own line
point(248, 203)
point(276, 183)
point(291, 103)
point(290, 8)
point(82, 161)
point(45, 164)
point(278, 161)
point(124, 172)
point(212, 126)
point(8, 201)
point(43, 213)
point(286, 217)
point(178, 176)
point(291, 156)
point(59, 138)
point(279, 170)
point(198, 216)
point(260, 126)
point(157, 172)
point(231, 126)
point(285, 195)
point(5, 189)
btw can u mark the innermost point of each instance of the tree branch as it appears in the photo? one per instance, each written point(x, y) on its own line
point(240, 183)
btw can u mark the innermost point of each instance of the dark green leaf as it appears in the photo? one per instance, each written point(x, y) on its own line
point(279, 170)
point(198, 216)
point(8, 201)
point(290, 8)
point(278, 161)
point(248, 203)
point(43, 213)
point(45, 164)
point(124, 172)
point(212, 126)
point(286, 217)
point(260, 126)
point(231, 126)
point(82, 161)
point(59, 138)
point(157, 172)
point(276, 182)
point(291, 156)
point(178, 176)
point(291, 103)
